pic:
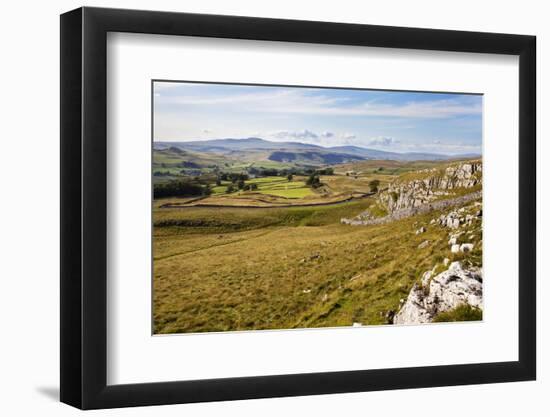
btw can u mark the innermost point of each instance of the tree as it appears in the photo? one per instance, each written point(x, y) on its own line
point(325, 171)
point(179, 189)
point(374, 185)
point(313, 181)
point(218, 181)
point(240, 184)
point(289, 177)
point(230, 188)
point(253, 186)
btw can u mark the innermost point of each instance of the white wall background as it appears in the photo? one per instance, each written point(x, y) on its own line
point(29, 219)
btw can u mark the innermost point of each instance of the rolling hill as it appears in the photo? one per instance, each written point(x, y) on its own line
point(297, 151)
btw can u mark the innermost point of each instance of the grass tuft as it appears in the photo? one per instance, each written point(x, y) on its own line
point(463, 312)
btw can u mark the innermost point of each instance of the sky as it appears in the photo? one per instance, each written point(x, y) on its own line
point(396, 121)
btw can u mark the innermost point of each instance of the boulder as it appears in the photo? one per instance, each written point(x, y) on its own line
point(455, 248)
point(421, 230)
point(449, 289)
point(466, 247)
point(424, 244)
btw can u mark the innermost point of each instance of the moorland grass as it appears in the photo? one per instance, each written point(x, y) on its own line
point(245, 269)
point(463, 312)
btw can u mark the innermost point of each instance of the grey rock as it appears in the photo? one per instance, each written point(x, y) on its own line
point(466, 247)
point(424, 244)
point(421, 230)
point(446, 291)
point(404, 199)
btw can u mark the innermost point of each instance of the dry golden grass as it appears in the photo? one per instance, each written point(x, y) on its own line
point(245, 269)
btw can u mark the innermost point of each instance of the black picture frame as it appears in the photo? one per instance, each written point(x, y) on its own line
point(84, 207)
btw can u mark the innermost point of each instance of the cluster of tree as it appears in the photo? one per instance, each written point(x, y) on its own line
point(161, 173)
point(373, 185)
point(325, 171)
point(314, 181)
point(263, 172)
point(231, 176)
point(189, 164)
point(273, 172)
point(180, 189)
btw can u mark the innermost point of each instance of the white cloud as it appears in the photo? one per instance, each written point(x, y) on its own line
point(288, 135)
point(324, 138)
point(383, 141)
point(348, 136)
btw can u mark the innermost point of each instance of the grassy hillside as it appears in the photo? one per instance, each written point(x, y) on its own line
point(288, 265)
point(243, 269)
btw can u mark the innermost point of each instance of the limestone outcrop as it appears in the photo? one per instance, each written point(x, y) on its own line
point(365, 219)
point(445, 291)
point(430, 185)
point(427, 190)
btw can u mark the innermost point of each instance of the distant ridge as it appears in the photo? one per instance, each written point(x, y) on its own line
point(229, 145)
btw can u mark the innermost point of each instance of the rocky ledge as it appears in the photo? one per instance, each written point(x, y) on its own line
point(364, 219)
point(444, 292)
point(432, 185)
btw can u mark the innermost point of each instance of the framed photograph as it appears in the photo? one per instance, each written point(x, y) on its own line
point(257, 207)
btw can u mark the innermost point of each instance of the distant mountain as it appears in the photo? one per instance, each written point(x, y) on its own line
point(367, 152)
point(420, 156)
point(303, 152)
point(237, 145)
point(309, 157)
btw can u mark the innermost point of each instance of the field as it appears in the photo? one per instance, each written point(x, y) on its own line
point(275, 255)
point(244, 269)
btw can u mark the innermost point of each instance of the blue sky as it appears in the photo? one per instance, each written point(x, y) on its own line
point(385, 120)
